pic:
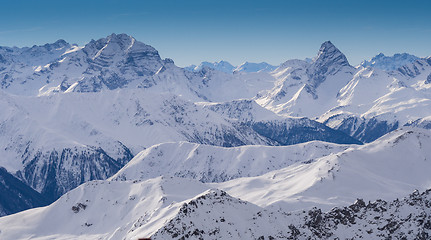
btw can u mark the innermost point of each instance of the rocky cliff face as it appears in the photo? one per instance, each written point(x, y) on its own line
point(329, 61)
point(56, 172)
point(217, 215)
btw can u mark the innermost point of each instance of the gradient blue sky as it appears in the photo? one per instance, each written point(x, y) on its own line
point(191, 31)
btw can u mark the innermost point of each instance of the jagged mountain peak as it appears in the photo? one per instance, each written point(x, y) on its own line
point(329, 61)
point(328, 53)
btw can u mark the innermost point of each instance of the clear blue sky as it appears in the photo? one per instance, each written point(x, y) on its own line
point(191, 31)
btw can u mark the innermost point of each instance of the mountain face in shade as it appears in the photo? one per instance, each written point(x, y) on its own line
point(17, 196)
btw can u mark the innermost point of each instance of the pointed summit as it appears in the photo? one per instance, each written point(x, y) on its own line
point(329, 54)
point(329, 61)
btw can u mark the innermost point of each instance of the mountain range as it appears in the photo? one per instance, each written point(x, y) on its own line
point(224, 66)
point(271, 205)
point(112, 133)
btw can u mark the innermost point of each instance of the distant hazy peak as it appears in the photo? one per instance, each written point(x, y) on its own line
point(389, 63)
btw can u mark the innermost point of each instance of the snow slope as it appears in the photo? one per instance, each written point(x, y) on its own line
point(391, 167)
point(217, 164)
point(171, 208)
point(54, 143)
point(317, 176)
point(104, 210)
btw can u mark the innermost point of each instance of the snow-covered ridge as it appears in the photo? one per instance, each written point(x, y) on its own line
point(217, 164)
point(389, 63)
point(224, 66)
point(364, 102)
point(105, 210)
point(81, 137)
point(372, 171)
point(299, 176)
point(73, 114)
point(163, 208)
point(326, 88)
point(219, 216)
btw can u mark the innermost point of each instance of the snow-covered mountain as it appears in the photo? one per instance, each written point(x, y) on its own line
point(54, 143)
point(168, 213)
point(300, 176)
point(309, 89)
point(363, 102)
point(373, 171)
point(327, 89)
point(218, 164)
point(174, 150)
point(217, 215)
point(254, 67)
point(105, 210)
point(35, 56)
point(389, 63)
point(180, 208)
point(224, 66)
point(120, 61)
